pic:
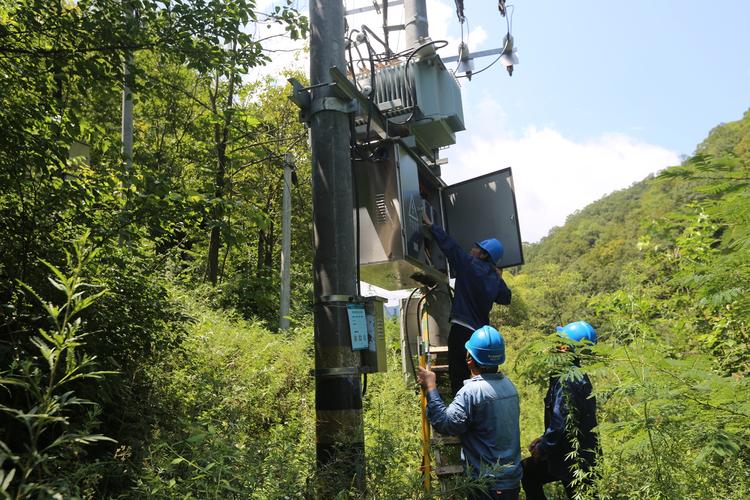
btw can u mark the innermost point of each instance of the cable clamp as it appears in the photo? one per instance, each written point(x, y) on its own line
point(332, 104)
point(343, 371)
point(339, 298)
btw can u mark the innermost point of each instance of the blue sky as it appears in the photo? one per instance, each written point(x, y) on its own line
point(664, 72)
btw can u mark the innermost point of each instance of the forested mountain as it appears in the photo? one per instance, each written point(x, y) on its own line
point(662, 269)
point(598, 240)
point(630, 233)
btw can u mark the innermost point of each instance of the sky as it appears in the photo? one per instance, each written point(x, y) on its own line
point(605, 93)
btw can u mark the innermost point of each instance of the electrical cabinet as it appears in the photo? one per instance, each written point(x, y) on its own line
point(374, 358)
point(395, 187)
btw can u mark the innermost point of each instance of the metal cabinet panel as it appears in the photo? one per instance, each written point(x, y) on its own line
point(412, 204)
point(389, 207)
point(485, 207)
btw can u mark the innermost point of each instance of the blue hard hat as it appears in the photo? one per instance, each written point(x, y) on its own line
point(578, 331)
point(493, 247)
point(487, 346)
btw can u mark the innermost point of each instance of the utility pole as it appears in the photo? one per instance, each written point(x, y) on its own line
point(127, 102)
point(286, 244)
point(127, 115)
point(338, 395)
point(415, 22)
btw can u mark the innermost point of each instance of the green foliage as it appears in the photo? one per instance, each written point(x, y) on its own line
point(53, 424)
point(672, 426)
point(235, 412)
point(210, 403)
point(392, 429)
point(150, 220)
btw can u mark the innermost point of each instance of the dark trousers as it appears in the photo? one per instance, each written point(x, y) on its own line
point(510, 494)
point(458, 370)
point(536, 475)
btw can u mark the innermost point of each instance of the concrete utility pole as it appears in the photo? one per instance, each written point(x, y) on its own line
point(338, 395)
point(127, 102)
point(127, 115)
point(286, 244)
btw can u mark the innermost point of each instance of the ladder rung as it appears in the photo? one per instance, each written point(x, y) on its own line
point(441, 439)
point(449, 470)
point(434, 349)
point(439, 368)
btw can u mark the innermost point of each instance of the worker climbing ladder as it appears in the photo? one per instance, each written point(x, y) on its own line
point(445, 449)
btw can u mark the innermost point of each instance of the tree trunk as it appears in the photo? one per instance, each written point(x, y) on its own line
point(221, 138)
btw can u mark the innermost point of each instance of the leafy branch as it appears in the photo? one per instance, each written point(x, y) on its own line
point(52, 436)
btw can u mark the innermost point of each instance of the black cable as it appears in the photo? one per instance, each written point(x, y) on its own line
point(509, 26)
point(356, 226)
point(376, 37)
point(371, 97)
point(460, 10)
point(364, 384)
point(474, 73)
point(406, 331)
point(349, 51)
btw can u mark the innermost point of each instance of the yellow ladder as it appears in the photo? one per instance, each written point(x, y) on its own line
point(446, 449)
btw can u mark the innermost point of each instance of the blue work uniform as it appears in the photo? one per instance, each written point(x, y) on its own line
point(485, 416)
point(477, 284)
point(477, 287)
point(564, 399)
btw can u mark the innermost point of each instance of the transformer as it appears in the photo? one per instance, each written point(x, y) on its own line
point(424, 96)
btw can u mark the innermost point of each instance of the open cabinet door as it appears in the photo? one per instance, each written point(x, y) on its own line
point(485, 207)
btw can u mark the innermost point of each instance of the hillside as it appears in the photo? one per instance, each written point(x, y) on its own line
point(607, 236)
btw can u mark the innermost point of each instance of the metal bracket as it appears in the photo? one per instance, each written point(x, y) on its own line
point(334, 298)
point(308, 107)
point(374, 7)
point(344, 371)
point(332, 104)
point(300, 95)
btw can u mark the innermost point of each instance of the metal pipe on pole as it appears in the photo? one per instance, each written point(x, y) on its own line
point(286, 244)
point(338, 394)
point(415, 22)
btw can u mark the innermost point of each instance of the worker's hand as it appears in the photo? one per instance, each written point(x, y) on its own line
point(426, 219)
point(534, 449)
point(426, 378)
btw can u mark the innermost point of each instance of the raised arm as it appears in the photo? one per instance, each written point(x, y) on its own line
point(456, 255)
point(504, 294)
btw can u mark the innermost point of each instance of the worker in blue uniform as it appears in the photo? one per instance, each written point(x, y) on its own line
point(569, 414)
point(479, 284)
point(485, 415)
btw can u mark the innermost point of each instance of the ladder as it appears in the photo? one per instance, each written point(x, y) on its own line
point(444, 449)
point(416, 342)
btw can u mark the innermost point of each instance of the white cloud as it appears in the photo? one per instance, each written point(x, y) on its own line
point(555, 175)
